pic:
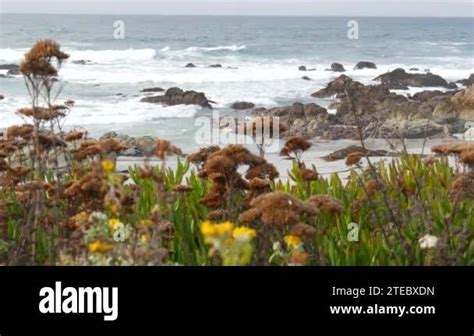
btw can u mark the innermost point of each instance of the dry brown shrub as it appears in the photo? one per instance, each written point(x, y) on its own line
point(164, 148)
point(467, 156)
point(295, 145)
point(182, 188)
point(216, 215)
point(447, 149)
point(259, 184)
point(111, 146)
point(44, 113)
point(308, 174)
point(278, 209)
point(24, 131)
point(353, 158)
point(303, 231)
point(462, 188)
point(263, 171)
point(327, 204)
point(212, 200)
point(201, 156)
point(73, 136)
point(38, 61)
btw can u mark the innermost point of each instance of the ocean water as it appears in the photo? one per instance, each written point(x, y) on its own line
point(260, 58)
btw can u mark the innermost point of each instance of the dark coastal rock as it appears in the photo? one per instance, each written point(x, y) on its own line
point(2, 97)
point(81, 62)
point(398, 86)
point(468, 81)
point(296, 110)
point(377, 112)
point(306, 78)
point(400, 78)
point(336, 132)
point(154, 99)
point(136, 146)
point(134, 152)
point(215, 66)
point(304, 68)
point(365, 65)
point(302, 119)
point(343, 83)
point(190, 65)
point(176, 96)
point(335, 87)
point(153, 89)
point(411, 129)
point(381, 113)
point(314, 111)
point(242, 105)
point(12, 69)
point(337, 67)
point(414, 69)
point(343, 153)
point(463, 103)
point(424, 96)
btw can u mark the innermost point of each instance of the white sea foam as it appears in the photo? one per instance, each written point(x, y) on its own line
point(128, 111)
point(73, 44)
point(445, 43)
point(413, 90)
point(265, 82)
point(96, 56)
point(12, 55)
point(113, 56)
point(200, 52)
point(105, 112)
point(139, 65)
point(175, 72)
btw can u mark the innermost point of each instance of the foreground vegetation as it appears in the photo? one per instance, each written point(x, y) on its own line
point(62, 201)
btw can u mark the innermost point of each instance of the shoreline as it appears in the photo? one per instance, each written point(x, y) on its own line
point(312, 156)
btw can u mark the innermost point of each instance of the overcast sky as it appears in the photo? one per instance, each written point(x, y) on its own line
point(455, 8)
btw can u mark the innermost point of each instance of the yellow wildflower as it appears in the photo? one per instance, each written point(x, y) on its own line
point(244, 233)
point(145, 238)
point(293, 241)
point(224, 229)
point(211, 230)
point(208, 229)
point(114, 223)
point(99, 247)
point(108, 166)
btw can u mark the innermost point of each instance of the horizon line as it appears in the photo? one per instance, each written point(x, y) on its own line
point(247, 15)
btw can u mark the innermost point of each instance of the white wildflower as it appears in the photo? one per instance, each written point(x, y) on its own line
point(276, 246)
point(97, 217)
point(428, 241)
